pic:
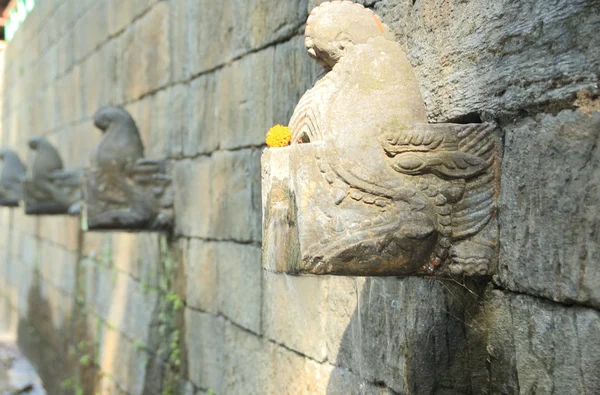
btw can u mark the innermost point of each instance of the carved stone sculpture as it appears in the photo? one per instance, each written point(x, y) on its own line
point(13, 172)
point(47, 187)
point(123, 190)
point(368, 187)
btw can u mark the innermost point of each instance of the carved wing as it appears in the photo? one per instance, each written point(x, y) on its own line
point(477, 207)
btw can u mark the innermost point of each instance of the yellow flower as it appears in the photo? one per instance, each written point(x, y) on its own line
point(279, 136)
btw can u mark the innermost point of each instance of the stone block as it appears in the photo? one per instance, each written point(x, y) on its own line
point(344, 382)
point(290, 373)
point(96, 21)
point(248, 82)
point(200, 263)
point(141, 112)
point(258, 23)
point(470, 57)
point(193, 197)
point(160, 117)
point(120, 15)
point(146, 53)
point(537, 346)
point(207, 49)
point(203, 128)
point(179, 24)
point(206, 349)
point(295, 313)
point(247, 361)
point(122, 361)
point(100, 286)
point(393, 339)
point(177, 127)
point(96, 80)
point(131, 307)
point(137, 254)
point(235, 196)
point(240, 284)
point(66, 92)
point(549, 205)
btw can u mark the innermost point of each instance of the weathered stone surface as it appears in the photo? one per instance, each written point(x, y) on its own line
point(295, 313)
point(207, 49)
point(203, 116)
point(247, 377)
point(192, 197)
point(201, 275)
point(344, 382)
point(549, 205)
point(179, 25)
point(235, 196)
point(536, 346)
point(290, 373)
point(128, 307)
point(120, 15)
point(476, 57)
point(47, 187)
point(177, 124)
point(374, 189)
point(123, 190)
point(91, 29)
point(146, 53)
point(137, 254)
point(240, 288)
point(389, 338)
point(259, 22)
point(97, 85)
point(206, 356)
point(124, 363)
point(248, 82)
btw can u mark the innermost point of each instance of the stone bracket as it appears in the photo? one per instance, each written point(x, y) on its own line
point(137, 199)
point(439, 221)
point(48, 188)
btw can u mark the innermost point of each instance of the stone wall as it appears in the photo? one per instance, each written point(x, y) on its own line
point(194, 313)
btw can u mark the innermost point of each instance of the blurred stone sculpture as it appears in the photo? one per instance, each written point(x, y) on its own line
point(123, 190)
point(13, 172)
point(367, 186)
point(47, 187)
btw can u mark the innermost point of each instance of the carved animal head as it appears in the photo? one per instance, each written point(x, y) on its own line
point(34, 142)
point(10, 158)
point(106, 116)
point(329, 34)
point(46, 157)
point(13, 168)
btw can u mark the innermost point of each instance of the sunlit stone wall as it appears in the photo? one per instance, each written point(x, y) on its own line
point(194, 313)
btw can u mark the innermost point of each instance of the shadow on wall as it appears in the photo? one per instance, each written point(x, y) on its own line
point(409, 336)
point(115, 332)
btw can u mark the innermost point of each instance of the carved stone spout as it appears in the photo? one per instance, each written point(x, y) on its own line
point(368, 187)
point(47, 187)
point(13, 172)
point(123, 190)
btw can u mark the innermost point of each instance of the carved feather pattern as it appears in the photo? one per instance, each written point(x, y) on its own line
point(306, 120)
point(477, 207)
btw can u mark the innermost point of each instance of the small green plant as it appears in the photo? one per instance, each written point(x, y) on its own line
point(85, 360)
point(175, 300)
